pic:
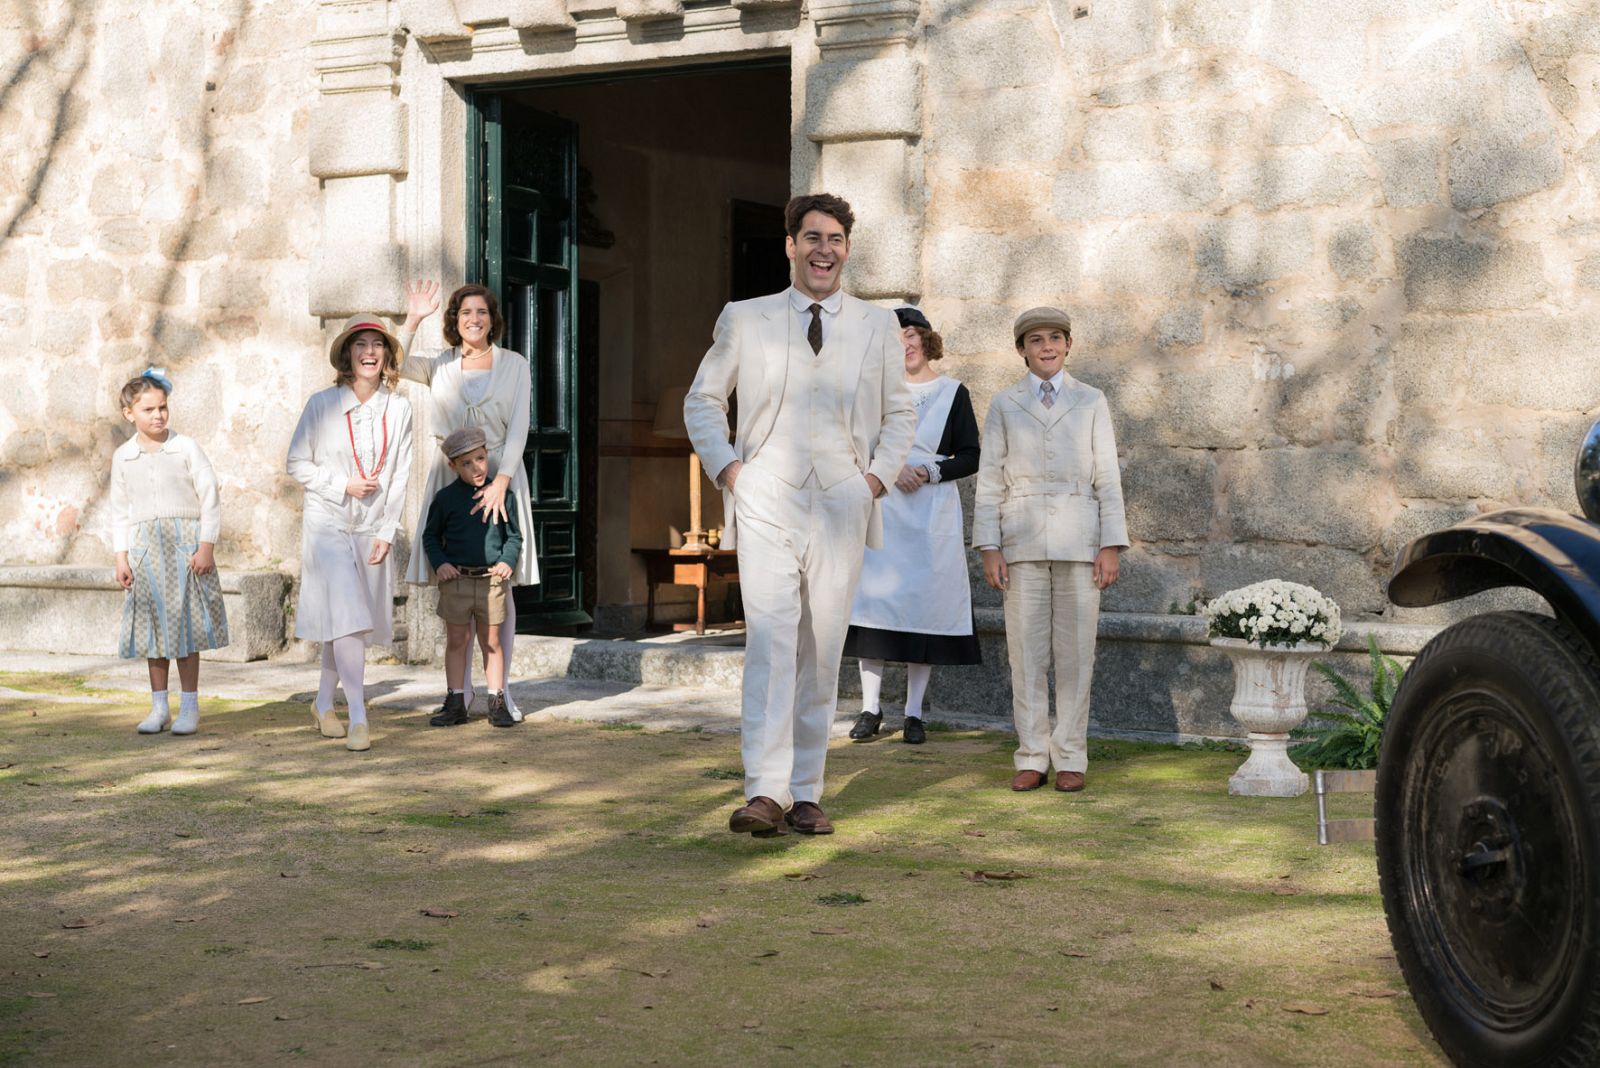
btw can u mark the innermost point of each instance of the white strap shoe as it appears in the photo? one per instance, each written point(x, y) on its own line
point(157, 721)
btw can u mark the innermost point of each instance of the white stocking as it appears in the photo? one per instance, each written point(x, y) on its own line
point(350, 654)
point(330, 680)
point(508, 634)
point(917, 676)
point(871, 684)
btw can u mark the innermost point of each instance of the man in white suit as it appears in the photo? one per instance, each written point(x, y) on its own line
point(825, 423)
point(1047, 516)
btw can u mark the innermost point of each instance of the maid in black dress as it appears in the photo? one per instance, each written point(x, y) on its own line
point(913, 604)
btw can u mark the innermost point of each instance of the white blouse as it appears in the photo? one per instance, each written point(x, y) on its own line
point(174, 481)
point(322, 458)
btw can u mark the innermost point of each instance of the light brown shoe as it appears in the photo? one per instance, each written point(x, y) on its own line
point(358, 742)
point(1069, 782)
point(328, 724)
point(762, 817)
point(807, 817)
point(1027, 780)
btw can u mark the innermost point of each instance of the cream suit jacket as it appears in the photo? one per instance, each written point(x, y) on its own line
point(1048, 486)
point(750, 352)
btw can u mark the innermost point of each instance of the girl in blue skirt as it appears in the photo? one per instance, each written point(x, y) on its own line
point(165, 517)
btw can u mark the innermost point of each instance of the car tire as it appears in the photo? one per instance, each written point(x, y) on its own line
point(1488, 840)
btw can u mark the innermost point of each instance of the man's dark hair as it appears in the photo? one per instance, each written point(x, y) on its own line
point(801, 206)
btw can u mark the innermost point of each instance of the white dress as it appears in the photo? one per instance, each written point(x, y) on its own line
point(340, 593)
point(497, 401)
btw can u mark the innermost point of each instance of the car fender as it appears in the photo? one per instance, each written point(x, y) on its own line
point(1554, 554)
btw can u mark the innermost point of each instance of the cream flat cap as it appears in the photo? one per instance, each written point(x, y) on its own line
point(1034, 318)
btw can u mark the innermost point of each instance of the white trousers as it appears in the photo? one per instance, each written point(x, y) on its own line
point(1052, 611)
point(799, 559)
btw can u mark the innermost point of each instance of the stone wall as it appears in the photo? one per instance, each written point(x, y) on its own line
point(155, 207)
point(1334, 264)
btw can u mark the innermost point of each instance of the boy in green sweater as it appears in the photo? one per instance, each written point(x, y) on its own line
point(472, 558)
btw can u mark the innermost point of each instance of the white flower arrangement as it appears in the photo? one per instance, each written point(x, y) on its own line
point(1274, 613)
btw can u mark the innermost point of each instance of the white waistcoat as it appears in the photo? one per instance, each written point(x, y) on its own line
point(809, 434)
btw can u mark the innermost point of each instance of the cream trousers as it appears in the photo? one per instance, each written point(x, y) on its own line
point(800, 555)
point(1052, 610)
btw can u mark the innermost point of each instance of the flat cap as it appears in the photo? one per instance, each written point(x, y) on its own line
point(1034, 318)
point(463, 440)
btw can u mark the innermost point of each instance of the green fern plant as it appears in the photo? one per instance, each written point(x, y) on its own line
point(1355, 725)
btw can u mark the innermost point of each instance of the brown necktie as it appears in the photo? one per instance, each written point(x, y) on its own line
point(814, 331)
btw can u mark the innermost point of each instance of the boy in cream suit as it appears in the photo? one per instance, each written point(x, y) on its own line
point(825, 423)
point(1048, 520)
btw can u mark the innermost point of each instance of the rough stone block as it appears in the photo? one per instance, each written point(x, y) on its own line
point(1410, 172)
point(1351, 252)
point(1493, 166)
point(1013, 201)
point(1588, 273)
point(123, 236)
point(1204, 128)
point(1181, 326)
point(1018, 269)
point(1134, 188)
point(1337, 396)
point(977, 53)
point(1435, 459)
point(1238, 253)
point(886, 260)
point(1333, 496)
point(1109, 36)
point(1180, 83)
point(1187, 404)
point(197, 238)
point(1416, 518)
point(1303, 177)
point(13, 271)
point(649, 10)
point(236, 177)
point(872, 98)
point(1152, 581)
point(1450, 101)
point(433, 20)
point(874, 176)
point(1343, 575)
point(1417, 50)
point(1531, 361)
point(1141, 258)
point(1561, 35)
point(233, 288)
point(997, 128)
point(1298, 122)
point(1120, 134)
point(1169, 494)
point(539, 16)
point(358, 133)
point(1452, 274)
point(117, 190)
point(72, 280)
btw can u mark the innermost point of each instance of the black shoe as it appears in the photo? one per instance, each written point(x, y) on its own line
point(452, 714)
point(499, 714)
point(912, 733)
point(867, 725)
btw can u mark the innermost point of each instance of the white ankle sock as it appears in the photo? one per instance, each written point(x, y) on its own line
point(188, 720)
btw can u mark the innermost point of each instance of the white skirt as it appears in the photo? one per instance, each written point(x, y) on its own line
point(340, 593)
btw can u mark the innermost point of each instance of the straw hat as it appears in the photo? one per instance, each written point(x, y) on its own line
point(357, 323)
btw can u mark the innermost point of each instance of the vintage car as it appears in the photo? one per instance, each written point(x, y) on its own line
point(1488, 789)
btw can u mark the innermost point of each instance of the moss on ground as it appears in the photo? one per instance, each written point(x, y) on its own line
point(602, 913)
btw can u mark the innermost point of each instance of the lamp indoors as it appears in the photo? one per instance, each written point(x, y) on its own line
point(669, 424)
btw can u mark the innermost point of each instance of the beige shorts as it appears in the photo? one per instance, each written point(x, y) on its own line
point(467, 598)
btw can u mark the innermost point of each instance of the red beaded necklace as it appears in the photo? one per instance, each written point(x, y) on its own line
point(383, 453)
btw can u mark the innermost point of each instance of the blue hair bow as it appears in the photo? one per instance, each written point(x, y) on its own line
point(158, 375)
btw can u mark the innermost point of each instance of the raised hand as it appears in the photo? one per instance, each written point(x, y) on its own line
point(422, 300)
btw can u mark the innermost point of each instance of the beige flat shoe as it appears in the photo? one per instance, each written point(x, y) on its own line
point(358, 741)
point(327, 725)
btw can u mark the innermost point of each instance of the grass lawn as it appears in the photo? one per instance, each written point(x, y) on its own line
point(255, 895)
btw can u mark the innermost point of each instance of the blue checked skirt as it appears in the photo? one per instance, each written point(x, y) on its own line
point(170, 611)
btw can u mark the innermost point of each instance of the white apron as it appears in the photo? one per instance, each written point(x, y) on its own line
point(917, 583)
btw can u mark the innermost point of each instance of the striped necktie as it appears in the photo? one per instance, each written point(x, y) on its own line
point(1047, 394)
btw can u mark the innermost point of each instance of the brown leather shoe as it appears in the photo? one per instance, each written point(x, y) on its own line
point(1027, 780)
point(807, 817)
point(762, 817)
point(1069, 782)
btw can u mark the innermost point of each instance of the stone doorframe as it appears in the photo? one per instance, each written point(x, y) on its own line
point(388, 133)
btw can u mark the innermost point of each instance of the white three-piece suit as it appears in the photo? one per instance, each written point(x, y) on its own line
point(1049, 495)
point(810, 427)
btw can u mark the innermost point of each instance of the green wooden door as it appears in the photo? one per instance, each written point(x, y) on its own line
point(523, 228)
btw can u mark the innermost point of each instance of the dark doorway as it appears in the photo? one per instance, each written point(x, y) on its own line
point(668, 188)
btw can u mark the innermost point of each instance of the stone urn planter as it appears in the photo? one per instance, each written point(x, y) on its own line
point(1269, 700)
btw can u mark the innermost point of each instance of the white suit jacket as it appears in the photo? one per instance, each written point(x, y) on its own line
point(1048, 485)
point(750, 353)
